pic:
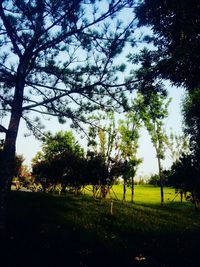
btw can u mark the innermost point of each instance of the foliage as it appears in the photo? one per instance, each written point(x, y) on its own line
point(128, 146)
point(102, 142)
point(184, 175)
point(191, 111)
point(154, 180)
point(153, 115)
point(61, 161)
point(178, 145)
point(176, 28)
point(60, 142)
point(97, 169)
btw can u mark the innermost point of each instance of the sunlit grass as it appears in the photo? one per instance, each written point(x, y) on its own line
point(143, 194)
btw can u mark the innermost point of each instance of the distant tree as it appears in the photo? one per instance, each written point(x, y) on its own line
point(128, 146)
point(25, 177)
point(62, 141)
point(140, 181)
point(56, 58)
point(22, 174)
point(177, 145)
point(153, 116)
point(60, 161)
point(154, 180)
point(102, 141)
point(191, 113)
point(97, 173)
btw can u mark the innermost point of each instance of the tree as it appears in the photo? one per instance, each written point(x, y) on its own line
point(183, 176)
point(102, 140)
point(97, 173)
point(55, 54)
point(176, 28)
point(128, 146)
point(24, 177)
point(154, 179)
point(61, 161)
point(191, 113)
point(153, 116)
point(175, 54)
point(54, 145)
point(178, 146)
point(18, 163)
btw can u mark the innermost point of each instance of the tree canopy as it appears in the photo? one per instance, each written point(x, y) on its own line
point(175, 26)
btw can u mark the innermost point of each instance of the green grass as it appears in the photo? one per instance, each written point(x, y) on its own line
point(46, 230)
point(144, 194)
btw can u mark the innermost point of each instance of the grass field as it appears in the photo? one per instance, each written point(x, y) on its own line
point(144, 194)
point(46, 230)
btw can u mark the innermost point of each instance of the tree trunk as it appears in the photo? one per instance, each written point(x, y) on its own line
point(8, 157)
point(124, 191)
point(132, 189)
point(181, 195)
point(7, 170)
point(161, 183)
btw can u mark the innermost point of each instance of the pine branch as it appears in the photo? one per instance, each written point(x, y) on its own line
point(10, 31)
point(3, 129)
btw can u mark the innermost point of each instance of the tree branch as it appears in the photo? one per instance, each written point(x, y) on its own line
point(10, 31)
point(3, 129)
point(62, 37)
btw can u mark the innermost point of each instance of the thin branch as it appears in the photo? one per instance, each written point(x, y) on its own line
point(66, 93)
point(45, 86)
point(10, 31)
point(3, 129)
point(62, 37)
point(95, 102)
point(6, 101)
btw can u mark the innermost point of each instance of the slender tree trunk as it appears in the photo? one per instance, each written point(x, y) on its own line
point(8, 162)
point(124, 190)
point(132, 189)
point(181, 195)
point(161, 183)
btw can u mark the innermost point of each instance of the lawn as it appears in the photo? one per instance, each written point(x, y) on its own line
point(144, 194)
point(47, 230)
